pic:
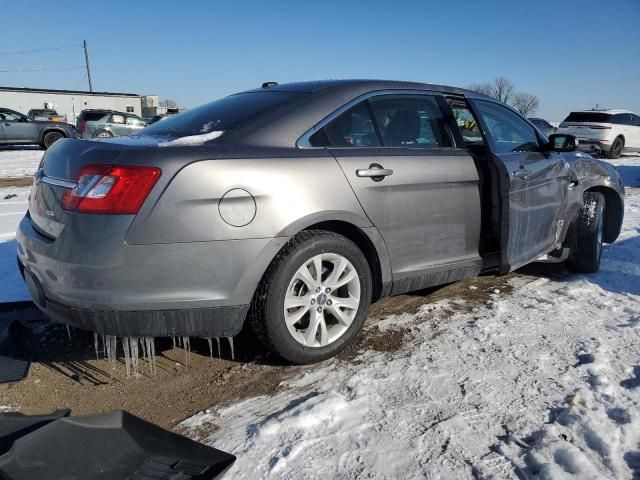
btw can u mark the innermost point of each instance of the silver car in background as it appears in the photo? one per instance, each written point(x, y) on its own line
point(545, 127)
point(108, 123)
point(292, 207)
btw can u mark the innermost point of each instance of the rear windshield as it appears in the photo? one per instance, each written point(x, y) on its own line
point(596, 117)
point(222, 114)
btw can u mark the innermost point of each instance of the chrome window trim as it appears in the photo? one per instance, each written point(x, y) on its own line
point(303, 141)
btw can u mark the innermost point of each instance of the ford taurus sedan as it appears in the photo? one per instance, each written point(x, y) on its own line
point(291, 208)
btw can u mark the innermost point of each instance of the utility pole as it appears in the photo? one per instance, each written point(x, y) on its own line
point(86, 61)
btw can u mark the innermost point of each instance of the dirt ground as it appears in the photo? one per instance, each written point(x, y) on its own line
point(66, 374)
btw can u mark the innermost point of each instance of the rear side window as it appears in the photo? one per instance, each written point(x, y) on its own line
point(410, 121)
point(223, 114)
point(93, 116)
point(596, 117)
point(116, 118)
point(353, 128)
point(509, 131)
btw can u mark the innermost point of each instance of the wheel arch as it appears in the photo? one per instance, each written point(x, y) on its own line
point(380, 269)
point(613, 212)
point(47, 130)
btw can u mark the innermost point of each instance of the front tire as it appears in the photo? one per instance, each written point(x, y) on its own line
point(313, 299)
point(616, 148)
point(585, 257)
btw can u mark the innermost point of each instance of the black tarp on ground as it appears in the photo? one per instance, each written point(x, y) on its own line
point(16, 425)
point(111, 446)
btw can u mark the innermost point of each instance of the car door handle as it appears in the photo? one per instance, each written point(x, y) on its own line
point(7, 124)
point(375, 172)
point(522, 173)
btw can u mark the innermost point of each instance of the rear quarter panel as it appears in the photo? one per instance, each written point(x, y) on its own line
point(289, 194)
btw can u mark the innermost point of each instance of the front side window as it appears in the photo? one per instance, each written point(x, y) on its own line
point(410, 121)
point(10, 116)
point(135, 121)
point(467, 123)
point(635, 119)
point(509, 131)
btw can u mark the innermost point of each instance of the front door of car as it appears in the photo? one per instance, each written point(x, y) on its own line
point(18, 128)
point(534, 184)
point(419, 191)
point(117, 125)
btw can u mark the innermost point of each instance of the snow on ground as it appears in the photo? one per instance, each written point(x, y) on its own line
point(11, 212)
point(19, 161)
point(541, 383)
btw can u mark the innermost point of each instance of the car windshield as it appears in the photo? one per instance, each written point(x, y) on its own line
point(597, 117)
point(222, 114)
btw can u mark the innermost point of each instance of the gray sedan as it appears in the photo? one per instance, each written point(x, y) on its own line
point(290, 208)
point(19, 129)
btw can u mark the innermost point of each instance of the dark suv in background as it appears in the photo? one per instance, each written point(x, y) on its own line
point(19, 129)
point(108, 123)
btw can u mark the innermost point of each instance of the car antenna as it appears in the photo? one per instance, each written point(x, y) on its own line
point(269, 84)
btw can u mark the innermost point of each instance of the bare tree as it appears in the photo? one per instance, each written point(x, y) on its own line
point(168, 103)
point(503, 89)
point(483, 88)
point(525, 103)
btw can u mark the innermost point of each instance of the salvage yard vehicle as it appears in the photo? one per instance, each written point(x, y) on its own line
point(45, 114)
point(292, 207)
point(610, 131)
point(545, 127)
point(98, 123)
point(19, 129)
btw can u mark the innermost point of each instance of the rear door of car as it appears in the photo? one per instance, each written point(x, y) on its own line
point(534, 184)
point(419, 190)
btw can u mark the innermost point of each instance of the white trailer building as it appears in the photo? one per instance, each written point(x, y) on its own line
point(68, 103)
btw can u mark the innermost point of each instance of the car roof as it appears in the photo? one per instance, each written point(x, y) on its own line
point(611, 111)
point(365, 84)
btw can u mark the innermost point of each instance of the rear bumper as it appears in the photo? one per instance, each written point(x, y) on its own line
point(108, 286)
point(593, 145)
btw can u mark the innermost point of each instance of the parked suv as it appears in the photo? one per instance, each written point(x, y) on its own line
point(108, 123)
point(611, 131)
point(18, 129)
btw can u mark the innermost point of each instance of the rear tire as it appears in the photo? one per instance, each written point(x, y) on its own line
point(103, 134)
point(585, 257)
point(616, 148)
point(309, 331)
point(50, 138)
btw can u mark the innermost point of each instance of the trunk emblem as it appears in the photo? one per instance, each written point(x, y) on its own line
point(49, 213)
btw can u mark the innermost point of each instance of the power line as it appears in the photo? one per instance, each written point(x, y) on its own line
point(38, 50)
point(43, 69)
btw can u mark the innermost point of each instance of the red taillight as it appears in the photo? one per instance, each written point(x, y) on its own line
point(114, 189)
point(82, 125)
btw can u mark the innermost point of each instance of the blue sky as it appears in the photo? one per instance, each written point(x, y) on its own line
point(572, 54)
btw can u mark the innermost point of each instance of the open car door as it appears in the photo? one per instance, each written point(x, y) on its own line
point(533, 185)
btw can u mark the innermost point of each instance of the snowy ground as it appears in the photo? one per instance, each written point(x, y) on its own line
point(19, 161)
point(541, 383)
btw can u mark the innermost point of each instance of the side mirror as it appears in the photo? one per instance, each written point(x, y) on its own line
point(24, 119)
point(559, 142)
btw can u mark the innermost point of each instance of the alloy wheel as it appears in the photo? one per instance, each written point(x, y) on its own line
point(322, 300)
